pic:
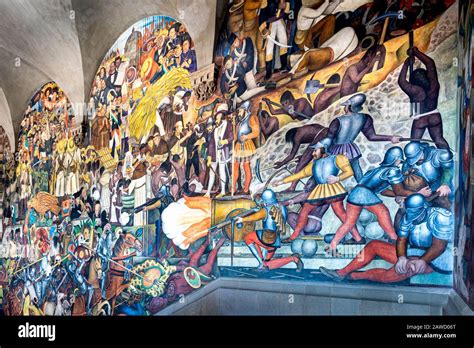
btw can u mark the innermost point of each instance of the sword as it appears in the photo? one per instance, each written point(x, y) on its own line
point(269, 38)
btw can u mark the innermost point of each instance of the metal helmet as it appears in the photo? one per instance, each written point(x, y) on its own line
point(324, 144)
point(413, 152)
point(355, 102)
point(415, 206)
point(392, 155)
point(269, 197)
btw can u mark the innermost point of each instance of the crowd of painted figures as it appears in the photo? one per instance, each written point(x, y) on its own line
point(113, 215)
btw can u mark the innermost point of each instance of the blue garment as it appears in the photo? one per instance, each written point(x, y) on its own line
point(437, 167)
point(374, 182)
point(323, 168)
point(434, 222)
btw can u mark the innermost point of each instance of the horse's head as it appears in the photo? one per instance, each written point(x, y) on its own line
point(131, 242)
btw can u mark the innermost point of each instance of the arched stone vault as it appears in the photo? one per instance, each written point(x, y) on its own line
point(65, 40)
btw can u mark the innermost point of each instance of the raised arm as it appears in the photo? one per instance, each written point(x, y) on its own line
point(369, 131)
point(407, 87)
point(272, 110)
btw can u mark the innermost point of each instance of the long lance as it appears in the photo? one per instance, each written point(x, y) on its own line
point(34, 263)
point(119, 264)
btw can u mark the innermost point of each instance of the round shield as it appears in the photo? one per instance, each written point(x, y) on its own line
point(240, 230)
point(150, 276)
point(192, 277)
point(82, 253)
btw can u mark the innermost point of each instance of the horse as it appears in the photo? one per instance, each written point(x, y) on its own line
point(115, 277)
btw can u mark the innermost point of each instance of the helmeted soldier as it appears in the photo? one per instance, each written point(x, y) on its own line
point(247, 130)
point(344, 130)
point(424, 233)
point(43, 281)
point(366, 195)
point(328, 172)
point(434, 167)
point(263, 243)
point(423, 245)
point(104, 252)
point(74, 269)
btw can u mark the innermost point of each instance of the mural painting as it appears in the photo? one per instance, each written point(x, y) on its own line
point(323, 149)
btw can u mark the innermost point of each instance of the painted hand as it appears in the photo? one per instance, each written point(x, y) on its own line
point(401, 265)
point(443, 190)
point(332, 179)
point(425, 191)
point(417, 266)
point(395, 139)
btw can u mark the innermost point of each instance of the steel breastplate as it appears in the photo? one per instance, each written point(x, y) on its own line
point(374, 179)
point(268, 223)
point(324, 167)
point(428, 171)
point(349, 128)
point(244, 128)
point(420, 236)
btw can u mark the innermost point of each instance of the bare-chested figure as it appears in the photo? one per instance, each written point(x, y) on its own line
point(356, 72)
point(423, 91)
point(291, 106)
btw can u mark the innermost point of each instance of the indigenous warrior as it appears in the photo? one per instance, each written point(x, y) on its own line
point(423, 91)
point(190, 276)
point(365, 195)
point(422, 246)
point(325, 170)
point(247, 130)
point(263, 243)
point(219, 149)
point(344, 130)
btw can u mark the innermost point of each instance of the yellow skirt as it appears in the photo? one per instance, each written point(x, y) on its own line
point(324, 191)
point(244, 152)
